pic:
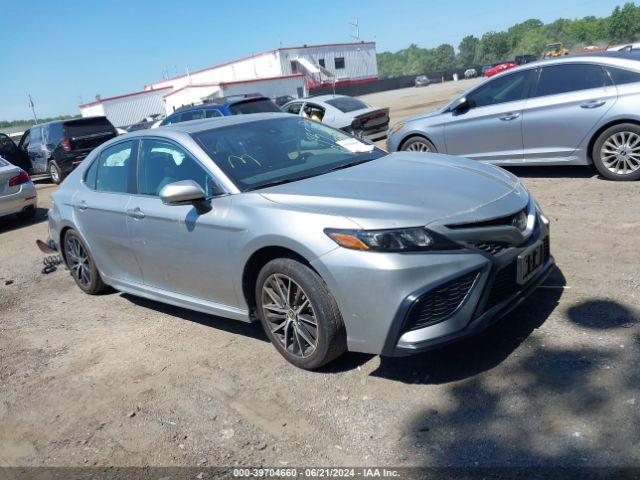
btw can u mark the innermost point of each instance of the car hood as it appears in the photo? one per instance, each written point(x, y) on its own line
point(402, 189)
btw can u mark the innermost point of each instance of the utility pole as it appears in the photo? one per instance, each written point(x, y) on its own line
point(33, 109)
point(356, 26)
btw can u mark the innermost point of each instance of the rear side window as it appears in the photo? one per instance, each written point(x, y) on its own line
point(254, 106)
point(347, 104)
point(567, 78)
point(293, 108)
point(36, 135)
point(84, 127)
point(620, 76)
point(192, 115)
point(90, 176)
point(212, 113)
point(116, 169)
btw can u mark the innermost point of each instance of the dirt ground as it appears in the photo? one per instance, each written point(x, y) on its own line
point(116, 380)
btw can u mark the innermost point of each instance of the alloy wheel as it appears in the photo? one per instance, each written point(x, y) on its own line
point(53, 172)
point(620, 153)
point(290, 315)
point(418, 147)
point(78, 261)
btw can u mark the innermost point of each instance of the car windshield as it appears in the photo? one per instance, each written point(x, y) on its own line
point(260, 105)
point(281, 150)
point(347, 104)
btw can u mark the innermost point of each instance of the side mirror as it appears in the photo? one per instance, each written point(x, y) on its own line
point(185, 192)
point(463, 105)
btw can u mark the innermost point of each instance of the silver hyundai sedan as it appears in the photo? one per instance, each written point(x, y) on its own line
point(578, 110)
point(331, 243)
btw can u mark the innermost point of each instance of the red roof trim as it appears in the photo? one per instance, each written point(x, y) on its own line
point(254, 80)
point(141, 92)
point(195, 85)
point(267, 52)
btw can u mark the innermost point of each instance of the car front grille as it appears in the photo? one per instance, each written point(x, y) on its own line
point(492, 248)
point(440, 303)
point(507, 220)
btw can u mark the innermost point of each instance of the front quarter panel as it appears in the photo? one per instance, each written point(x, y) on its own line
point(432, 128)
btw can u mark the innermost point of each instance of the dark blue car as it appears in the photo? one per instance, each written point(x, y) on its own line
point(221, 107)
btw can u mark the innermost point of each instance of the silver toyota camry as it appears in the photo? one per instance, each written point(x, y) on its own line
point(578, 110)
point(331, 243)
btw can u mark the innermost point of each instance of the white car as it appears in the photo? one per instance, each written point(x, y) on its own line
point(17, 192)
point(345, 113)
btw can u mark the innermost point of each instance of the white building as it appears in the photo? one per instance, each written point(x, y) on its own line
point(273, 74)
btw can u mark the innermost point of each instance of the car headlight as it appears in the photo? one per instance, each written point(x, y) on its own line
point(412, 239)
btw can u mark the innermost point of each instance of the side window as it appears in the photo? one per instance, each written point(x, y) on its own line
point(116, 169)
point(192, 115)
point(7, 146)
point(339, 63)
point(321, 62)
point(293, 108)
point(163, 162)
point(91, 174)
point(509, 88)
point(313, 112)
point(620, 76)
point(171, 119)
point(212, 113)
point(565, 78)
point(36, 135)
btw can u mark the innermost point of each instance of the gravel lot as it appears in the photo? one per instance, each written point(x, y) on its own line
point(116, 380)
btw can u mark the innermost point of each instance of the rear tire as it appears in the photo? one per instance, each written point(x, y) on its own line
point(81, 265)
point(418, 144)
point(616, 152)
point(55, 173)
point(299, 314)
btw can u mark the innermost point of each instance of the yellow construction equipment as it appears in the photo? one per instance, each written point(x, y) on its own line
point(555, 50)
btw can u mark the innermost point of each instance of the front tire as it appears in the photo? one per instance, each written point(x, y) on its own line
point(418, 144)
point(81, 265)
point(299, 314)
point(616, 152)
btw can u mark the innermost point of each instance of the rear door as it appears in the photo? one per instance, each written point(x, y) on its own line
point(492, 129)
point(100, 207)
point(11, 153)
point(564, 107)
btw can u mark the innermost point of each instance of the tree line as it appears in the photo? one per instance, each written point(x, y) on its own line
point(529, 37)
point(29, 123)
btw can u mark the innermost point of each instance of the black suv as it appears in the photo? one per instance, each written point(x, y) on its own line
point(58, 147)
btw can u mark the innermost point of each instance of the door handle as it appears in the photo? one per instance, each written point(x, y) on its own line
point(135, 213)
point(82, 205)
point(593, 104)
point(509, 116)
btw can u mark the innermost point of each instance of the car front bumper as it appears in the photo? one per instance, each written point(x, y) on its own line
point(16, 202)
point(377, 293)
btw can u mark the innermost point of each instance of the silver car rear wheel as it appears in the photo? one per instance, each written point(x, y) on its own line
point(290, 315)
point(620, 153)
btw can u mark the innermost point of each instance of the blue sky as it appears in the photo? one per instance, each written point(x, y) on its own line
point(66, 51)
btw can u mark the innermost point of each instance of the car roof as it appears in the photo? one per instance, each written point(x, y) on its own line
point(195, 126)
point(56, 122)
point(216, 106)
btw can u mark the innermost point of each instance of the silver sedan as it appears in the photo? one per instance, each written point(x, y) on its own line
point(330, 242)
point(17, 192)
point(571, 111)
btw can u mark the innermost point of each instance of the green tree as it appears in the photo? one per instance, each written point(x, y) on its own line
point(467, 51)
point(494, 47)
point(624, 23)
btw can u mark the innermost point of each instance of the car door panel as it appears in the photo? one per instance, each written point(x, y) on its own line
point(568, 103)
point(491, 128)
point(492, 133)
point(174, 245)
point(182, 251)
